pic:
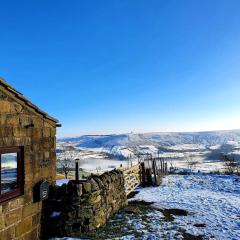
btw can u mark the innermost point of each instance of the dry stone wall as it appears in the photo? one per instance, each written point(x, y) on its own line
point(20, 217)
point(83, 206)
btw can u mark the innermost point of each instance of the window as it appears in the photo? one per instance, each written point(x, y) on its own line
point(11, 169)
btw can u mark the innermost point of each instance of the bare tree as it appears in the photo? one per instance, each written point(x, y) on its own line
point(66, 161)
point(172, 165)
point(65, 166)
point(230, 163)
point(191, 162)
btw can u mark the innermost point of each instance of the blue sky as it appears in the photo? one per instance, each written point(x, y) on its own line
point(120, 66)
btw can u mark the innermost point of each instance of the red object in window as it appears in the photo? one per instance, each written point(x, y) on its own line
point(11, 173)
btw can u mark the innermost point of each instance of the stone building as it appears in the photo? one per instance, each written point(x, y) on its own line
point(27, 160)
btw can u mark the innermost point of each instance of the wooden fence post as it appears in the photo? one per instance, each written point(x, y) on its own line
point(166, 167)
point(143, 174)
point(154, 171)
point(149, 177)
point(76, 169)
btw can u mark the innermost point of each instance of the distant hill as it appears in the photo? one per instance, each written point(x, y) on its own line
point(207, 145)
point(162, 139)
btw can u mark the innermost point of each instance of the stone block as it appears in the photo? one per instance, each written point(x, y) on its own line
point(26, 141)
point(16, 107)
point(31, 235)
point(94, 199)
point(13, 216)
point(37, 133)
point(24, 226)
point(5, 106)
point(37, 122)
point(5, 207)
point(46, 132)
point(36, 219)
point(3, 118)
point(8, 141)
point(2, 222)
point(19, 132)
point(12, 120)
point(99, 218)
point(18, 141)
point(46, 155)
point(30, 209)
point(100, 183)
point(113, 176)
point(87, 187)
point(16, 203)
point(94, 184)
point(25, 120)
point(53, 132)
point(85, 212)
point(6, 131)
point(7, 233)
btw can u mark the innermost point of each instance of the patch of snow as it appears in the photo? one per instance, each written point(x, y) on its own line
point(55, 214)
point(187, 147)
point(136, 224)
point(129, 237)
point(213, 200)
point(60, 182)
point(67, 238)
point(214, 147)
point(120, 151)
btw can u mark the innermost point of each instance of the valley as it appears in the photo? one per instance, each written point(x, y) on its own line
point(98, 153)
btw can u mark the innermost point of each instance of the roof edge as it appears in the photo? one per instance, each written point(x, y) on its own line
point(20, 96)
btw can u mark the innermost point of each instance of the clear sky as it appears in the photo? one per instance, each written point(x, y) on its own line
point(119, 65)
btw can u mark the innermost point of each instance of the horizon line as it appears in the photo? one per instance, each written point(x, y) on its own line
point(149, 132)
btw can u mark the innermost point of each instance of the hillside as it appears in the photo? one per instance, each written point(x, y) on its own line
point(162, 139)
point(125, 144)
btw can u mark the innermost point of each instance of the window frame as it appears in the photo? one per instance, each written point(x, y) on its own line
point(20, 173)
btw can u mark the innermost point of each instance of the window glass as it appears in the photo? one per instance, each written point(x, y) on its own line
point(9, 181)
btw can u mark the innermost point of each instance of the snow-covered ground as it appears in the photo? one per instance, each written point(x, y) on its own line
point(202, 165)
point(194, 206)
point(212, 201)
point(101, 165)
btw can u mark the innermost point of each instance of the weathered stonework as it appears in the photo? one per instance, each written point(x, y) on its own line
point(20, 217)
point(83, 206)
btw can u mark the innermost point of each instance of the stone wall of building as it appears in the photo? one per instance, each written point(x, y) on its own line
point(22, 126)
point(83, 206)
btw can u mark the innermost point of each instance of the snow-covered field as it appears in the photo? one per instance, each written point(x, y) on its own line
point(212, 201)
point(101, 165)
